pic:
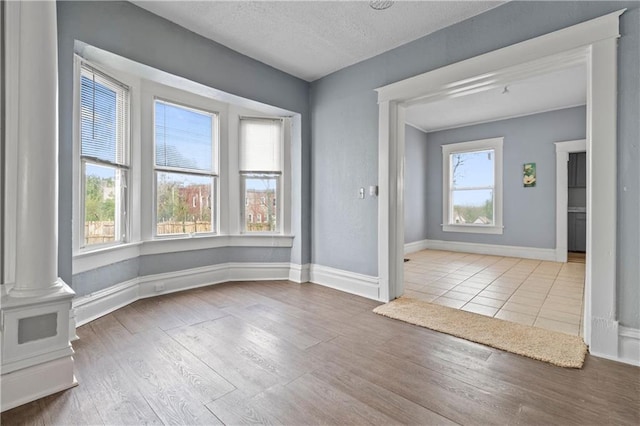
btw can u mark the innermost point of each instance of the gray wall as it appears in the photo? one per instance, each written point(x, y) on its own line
point(106, 276)
point(134, 33)
point(415, 185)
point(529, 214)
point(169, 262)
point(345, 130)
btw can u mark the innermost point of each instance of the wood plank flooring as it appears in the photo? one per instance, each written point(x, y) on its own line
point(284, 353)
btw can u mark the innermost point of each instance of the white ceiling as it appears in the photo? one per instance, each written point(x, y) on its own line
point(311, 39)
point(555, 90)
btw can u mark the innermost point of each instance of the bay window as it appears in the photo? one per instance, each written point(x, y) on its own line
point(156, 164)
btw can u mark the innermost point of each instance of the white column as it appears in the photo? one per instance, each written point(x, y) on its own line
point(37, 357)
point(37, 162)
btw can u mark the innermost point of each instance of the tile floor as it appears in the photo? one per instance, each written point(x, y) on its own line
point(532, 292)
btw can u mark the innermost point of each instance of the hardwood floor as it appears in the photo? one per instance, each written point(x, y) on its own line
point(285, 353)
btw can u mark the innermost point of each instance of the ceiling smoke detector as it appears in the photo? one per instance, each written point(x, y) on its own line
point(380, 4)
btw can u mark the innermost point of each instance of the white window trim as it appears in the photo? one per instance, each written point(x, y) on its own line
point(192, 102)
point(236, 189)
point(132, 205)
point(141, 201)
point(152, 91)
point(479, 145)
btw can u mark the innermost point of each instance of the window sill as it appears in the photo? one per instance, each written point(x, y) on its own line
point(473, 229)
point(89, 260)
point(173, 244)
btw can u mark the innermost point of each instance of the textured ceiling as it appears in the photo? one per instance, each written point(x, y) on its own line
point(310, 39)
point(555, 90)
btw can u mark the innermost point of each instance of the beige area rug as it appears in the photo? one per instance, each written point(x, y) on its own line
point(553, 347)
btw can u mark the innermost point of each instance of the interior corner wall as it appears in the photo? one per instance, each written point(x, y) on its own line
point(415, 185)
point(129, 31)
point(345, 130)
point(529, 214)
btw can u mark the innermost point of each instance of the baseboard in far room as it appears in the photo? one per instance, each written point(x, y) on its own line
point(488, 249)
point(629, 345)
point(415, 246)
point(349, 282)
point(95, 305)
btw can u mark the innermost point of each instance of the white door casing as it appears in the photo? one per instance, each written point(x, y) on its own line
point(593, 43)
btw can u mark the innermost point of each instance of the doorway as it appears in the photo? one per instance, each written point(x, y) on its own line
point(571, 200)
point(592, 43)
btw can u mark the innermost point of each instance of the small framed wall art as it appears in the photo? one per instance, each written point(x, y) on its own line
point(529, 175)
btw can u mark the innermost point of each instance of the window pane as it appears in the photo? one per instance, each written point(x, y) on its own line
point(184, 137)
point(184, 204)
point(472, 169)
point(472, 207)
point(261, 204)
point(100, 190)
point(104, 115)
point(260, 141)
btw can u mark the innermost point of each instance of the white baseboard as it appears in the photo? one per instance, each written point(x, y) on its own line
point(491, 249)
point(153, 285)
point(300, 273)
point(629, 345)
point(92, 306)
point(416, 246)
point(31, 383)
point(349, 282)
point(95, 305)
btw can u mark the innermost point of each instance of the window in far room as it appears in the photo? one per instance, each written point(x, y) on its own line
point(472, 186)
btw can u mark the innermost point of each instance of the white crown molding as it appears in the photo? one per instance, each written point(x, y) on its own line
point(503, 118)
point(415, 126)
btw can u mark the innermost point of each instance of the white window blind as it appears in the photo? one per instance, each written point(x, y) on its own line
point(184, 137)
point(104, 105)
point(260, 145)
